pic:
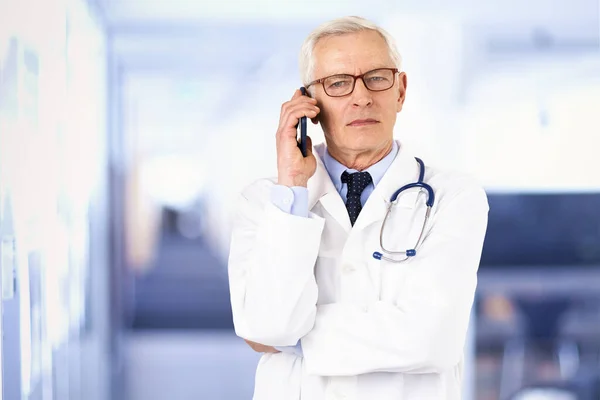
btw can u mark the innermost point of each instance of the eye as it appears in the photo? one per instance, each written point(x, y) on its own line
point(378, 78)
point(339, 84)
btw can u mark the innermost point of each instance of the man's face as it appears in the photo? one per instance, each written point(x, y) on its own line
point(363, 120)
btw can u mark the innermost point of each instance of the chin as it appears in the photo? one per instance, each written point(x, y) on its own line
point(358, 139)
point(365, 140)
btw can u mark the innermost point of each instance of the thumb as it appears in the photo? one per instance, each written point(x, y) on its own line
point(309, 147)
point(308, 143)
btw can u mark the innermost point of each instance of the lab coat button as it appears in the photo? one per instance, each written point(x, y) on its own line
point(348, 268)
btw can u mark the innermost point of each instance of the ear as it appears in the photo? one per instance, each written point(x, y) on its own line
point(314, 120)
point(402, 81)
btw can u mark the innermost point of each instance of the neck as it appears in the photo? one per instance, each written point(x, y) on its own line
point(360, 160)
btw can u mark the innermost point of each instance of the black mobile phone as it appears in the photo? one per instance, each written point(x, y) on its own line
point(302, 124)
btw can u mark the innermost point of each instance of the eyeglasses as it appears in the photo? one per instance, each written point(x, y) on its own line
point(376, 80)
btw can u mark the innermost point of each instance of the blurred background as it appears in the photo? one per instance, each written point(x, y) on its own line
point(128, 126)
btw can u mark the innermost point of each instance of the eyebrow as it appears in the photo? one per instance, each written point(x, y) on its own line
point(349, 73)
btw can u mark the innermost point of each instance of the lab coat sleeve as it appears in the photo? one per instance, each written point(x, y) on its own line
point(271, 270)
point(424, 330)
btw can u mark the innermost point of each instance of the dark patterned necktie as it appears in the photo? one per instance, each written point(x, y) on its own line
point(357, 182)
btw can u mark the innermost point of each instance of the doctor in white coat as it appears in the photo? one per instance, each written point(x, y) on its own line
point(332, 321)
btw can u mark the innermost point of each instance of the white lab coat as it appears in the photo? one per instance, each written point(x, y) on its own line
point(369, 329)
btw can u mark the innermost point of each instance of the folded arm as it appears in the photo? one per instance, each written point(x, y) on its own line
point(271, 271)
point(425, 330)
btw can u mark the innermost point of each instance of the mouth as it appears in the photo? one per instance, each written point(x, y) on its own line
point(363, 122)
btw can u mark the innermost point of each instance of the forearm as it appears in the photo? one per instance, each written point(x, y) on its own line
point(424, 329)
point(347, 340)
point(273, 288)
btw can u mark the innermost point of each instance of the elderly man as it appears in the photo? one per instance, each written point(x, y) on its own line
point(324, 281)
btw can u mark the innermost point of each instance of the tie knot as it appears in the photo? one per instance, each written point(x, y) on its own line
point(357, 181)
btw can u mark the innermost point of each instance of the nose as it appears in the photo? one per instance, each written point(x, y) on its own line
point(361, 96)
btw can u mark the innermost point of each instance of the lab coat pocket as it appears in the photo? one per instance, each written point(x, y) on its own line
point(393, 279)
point(401, 236)
point(326, 268)
point(327, 277)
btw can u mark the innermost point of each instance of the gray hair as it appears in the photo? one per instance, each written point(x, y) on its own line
point(336, 27)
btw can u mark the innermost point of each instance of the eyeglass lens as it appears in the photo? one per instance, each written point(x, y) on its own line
point(376, 80)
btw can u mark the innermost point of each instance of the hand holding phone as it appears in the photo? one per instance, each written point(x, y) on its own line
point(295, 161)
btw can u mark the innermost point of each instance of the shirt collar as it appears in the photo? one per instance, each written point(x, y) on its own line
point(335, 168)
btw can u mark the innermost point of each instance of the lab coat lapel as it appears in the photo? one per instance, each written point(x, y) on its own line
point(403, 170)
point(321, 189)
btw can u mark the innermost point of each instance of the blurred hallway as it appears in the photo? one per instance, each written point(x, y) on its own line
point(189, 365)
point(186, 288)
point(127, 129)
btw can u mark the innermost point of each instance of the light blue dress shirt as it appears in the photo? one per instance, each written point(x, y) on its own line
point(294, 200)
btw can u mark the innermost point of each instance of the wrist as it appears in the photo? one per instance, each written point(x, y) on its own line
point(291, 181)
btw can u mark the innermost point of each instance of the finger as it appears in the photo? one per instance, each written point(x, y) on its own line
point(297, 94)
point(257, 348)
point(295, 100)
point(309, 100)
point(288, 125)
point(252, 344)
point(294, 103)
point(302, 110)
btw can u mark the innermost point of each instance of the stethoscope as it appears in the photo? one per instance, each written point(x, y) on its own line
point(393, 201)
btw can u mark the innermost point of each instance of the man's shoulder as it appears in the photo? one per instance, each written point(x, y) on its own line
point(447, 177)
point(448, 183)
